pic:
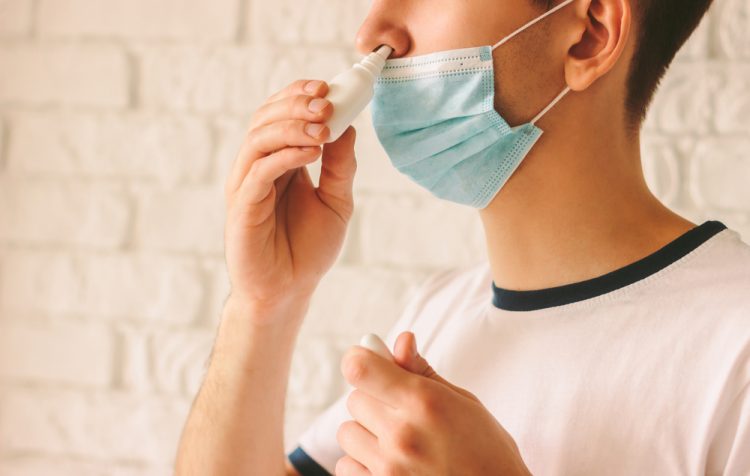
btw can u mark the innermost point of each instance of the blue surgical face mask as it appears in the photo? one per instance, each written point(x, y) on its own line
point(434, 116)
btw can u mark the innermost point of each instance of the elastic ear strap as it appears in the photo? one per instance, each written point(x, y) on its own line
point(532, 22)
point(551, 105)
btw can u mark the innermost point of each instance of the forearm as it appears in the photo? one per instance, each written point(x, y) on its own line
point(236, 423)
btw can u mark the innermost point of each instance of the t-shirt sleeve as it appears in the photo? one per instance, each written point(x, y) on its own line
point(317, 450)
point(729, 454)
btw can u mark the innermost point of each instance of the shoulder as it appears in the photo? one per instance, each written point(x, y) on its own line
point(458, 286)
point(448, 294)
point(712, 291)
point(721, 273)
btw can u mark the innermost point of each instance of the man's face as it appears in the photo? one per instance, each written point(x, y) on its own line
point(527, 75)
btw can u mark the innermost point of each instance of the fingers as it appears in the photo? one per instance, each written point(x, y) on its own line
point(348, 466)
point(301, 106)
point(337, 174)
point(358, 443)
point(374, 415)
point(291, 106)
point(271, 138)
point(407, 356)
point(301, 86)
point(259, 180)
point(376, 376)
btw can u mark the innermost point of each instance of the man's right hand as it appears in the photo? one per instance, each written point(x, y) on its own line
point(282, 234)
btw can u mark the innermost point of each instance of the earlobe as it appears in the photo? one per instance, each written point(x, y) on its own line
point(602, 39)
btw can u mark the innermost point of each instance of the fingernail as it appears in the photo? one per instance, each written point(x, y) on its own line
point(313, 129)
point(317, 105)
point(414, 347)
point(312, 86)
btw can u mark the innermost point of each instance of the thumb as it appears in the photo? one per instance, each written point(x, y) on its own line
point(337, 172)
point(407, 356)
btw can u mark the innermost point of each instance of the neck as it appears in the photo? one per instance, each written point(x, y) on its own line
point(574, 210)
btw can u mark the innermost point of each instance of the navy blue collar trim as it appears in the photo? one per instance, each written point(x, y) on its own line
point(509, 300)
point(305, 465)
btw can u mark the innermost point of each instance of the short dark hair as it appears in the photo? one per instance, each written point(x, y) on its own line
point(661, 28)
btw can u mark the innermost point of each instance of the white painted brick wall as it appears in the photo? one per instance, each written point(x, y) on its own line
point(15, 17)
point(119, 121)
point(45, 74)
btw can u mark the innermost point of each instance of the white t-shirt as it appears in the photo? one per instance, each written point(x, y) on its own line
point(642, 371)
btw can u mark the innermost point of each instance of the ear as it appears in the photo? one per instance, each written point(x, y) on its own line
point(602, 35)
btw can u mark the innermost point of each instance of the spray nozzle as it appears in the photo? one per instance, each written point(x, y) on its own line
point(384, 51)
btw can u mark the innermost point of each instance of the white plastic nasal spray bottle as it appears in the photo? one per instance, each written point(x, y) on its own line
point(351, 91)
point(376, 344)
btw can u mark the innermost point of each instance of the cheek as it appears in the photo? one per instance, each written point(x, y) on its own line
point(527, 77)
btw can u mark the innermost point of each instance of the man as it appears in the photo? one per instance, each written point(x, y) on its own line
point(606, 335)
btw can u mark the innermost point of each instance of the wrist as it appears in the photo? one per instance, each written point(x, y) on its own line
point(249, 329)
point(262, 314)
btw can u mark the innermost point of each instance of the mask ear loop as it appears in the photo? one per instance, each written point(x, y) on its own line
point(532, 22)
point(550, 105)
point(521, 29)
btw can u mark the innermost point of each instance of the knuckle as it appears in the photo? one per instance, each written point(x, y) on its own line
point(426, 400)
point(344, 430)
point(341, 467)
point(390, 468)
point(297, 85)
point(299, 129)
point(351, 401)
point(298, 105)
point(354, 367)
point(255, 168)
point(252, 139)
point(405, 439)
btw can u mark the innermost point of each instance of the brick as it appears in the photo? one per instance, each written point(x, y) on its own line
point(91, 425)
point(41, 282)
point(661, 159)
point(134, 372)
point(3, 146)
point(316, 22)
point(170, 363)
point(170, 150)
point(733, 18)
point(220, 288)
point(175, 362)
point(684, 101)
point(721, 172)
point(15, 18)
point(419, 232)
point(296, 421)
point(697, 47)
point(56, 212)
point(315, 377)
point(190, 220)
point(36, 465)
point(138, 287)
point(226, 79)
point(733, 100)
point(146, 285)
point(139, 19)
point(230, 133)
point(349, 302)
point(57, 352)
point(42, 75)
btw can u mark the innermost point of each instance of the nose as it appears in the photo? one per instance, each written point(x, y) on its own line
point(377, 29)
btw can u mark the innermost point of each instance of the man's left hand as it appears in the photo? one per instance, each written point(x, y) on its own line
point(408, 420)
